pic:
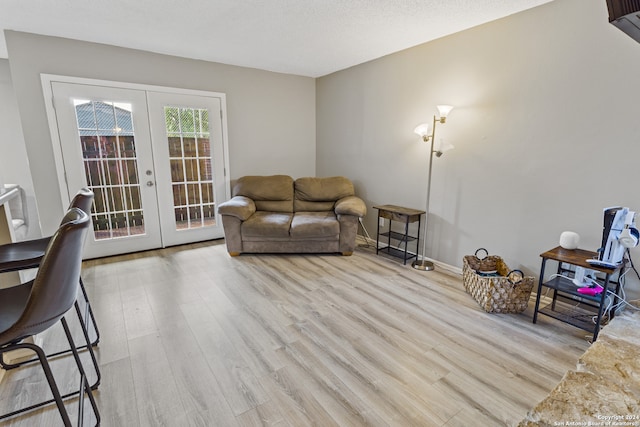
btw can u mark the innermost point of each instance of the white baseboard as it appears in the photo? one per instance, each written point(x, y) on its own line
point(440, 265)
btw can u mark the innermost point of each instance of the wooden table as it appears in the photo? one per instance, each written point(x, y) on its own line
point(405, 216)
point(565, 291)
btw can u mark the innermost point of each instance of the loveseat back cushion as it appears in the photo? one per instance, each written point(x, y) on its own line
point(267, 224)
point(310, 225)
point(320, 194)
point(270, 193)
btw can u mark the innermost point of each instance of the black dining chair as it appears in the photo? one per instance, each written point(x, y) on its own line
point(33, 307)
point(28, 254)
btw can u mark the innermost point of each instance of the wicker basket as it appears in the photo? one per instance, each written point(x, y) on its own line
point(496, 288)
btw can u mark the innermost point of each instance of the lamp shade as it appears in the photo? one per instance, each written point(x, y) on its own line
point(422, 129)
point(442, 146)
point(444, 110)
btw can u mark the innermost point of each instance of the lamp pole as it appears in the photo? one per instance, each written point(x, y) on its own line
point(424, 264)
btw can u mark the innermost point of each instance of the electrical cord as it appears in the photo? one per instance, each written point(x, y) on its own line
point(622, 280)
point(623, 300)
point(367, 236)
point(607, 310)
point(631, 262)
point(553, 276)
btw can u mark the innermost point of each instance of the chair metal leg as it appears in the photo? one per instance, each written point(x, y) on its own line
point(86, 346)
point(52, 385)
point(42, 357)
point(89, 348)
point(84, 387)
point(93, 319)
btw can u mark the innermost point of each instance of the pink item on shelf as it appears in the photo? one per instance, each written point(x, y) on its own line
point(590, 291)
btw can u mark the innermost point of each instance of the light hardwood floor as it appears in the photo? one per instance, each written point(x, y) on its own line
point(193, 337)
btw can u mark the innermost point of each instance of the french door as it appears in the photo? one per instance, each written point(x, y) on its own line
point(155, 161)
point(186, 131)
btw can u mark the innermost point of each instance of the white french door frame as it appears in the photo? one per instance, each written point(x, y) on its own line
point(47, 88)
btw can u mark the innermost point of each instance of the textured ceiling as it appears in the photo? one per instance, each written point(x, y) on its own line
point(305, 37)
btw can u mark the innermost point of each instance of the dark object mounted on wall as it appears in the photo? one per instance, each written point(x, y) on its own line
point(625, 14)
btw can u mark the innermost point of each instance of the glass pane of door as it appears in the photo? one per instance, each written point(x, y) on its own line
point(188, 141)
point(105, 144)
point(110, 160)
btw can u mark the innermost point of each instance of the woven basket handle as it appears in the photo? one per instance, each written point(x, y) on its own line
point(486, 253)
point(516, 272)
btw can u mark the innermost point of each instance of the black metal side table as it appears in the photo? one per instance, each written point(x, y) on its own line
point(406, 216)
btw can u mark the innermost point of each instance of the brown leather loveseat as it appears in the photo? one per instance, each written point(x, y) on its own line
point(275, 214)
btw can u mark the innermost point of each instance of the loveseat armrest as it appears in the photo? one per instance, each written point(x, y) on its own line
point(351, 205)
point(240, 207)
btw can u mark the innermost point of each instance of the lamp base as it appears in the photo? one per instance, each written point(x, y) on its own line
point(423, 265)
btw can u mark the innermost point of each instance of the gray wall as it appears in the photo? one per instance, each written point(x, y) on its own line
point(14, 166)
point(271, 116)
point(545, 127)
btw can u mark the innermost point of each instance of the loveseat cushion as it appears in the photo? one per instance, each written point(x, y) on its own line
point(314, 225)
point(320, 194)
point(270, 193)
point(267, 224)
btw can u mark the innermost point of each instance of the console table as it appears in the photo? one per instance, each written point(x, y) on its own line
point(565, 292)
point(405, 216)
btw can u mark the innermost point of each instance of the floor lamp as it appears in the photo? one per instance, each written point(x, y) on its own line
point(423, 131)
